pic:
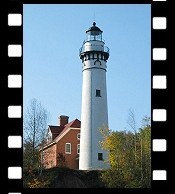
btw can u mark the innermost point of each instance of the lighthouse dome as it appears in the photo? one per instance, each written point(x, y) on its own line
point(94, 30)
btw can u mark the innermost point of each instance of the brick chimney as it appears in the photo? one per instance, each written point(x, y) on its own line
point(63, 120)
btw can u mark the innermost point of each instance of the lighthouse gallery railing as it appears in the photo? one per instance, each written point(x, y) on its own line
point(93, 47)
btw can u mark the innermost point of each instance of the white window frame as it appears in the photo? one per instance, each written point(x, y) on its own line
point(78, 135)
point(66, 147)
point(78, 148)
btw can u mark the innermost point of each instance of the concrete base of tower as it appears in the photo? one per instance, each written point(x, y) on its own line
point(99, 167)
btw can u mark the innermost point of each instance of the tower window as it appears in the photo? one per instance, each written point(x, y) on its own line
point(98, 93)
point(100, 156)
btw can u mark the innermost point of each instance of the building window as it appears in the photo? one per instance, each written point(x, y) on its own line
point(98, 93)
point(78, 148)
point(68, 148)
point(100, 156)
point(78, 136)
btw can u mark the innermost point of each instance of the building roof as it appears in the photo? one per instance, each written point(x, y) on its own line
point(74, 124)
point(56, 129)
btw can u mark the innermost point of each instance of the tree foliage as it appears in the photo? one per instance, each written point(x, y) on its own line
point(129, 157)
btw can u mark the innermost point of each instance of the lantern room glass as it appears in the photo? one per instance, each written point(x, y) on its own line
point(94, 35)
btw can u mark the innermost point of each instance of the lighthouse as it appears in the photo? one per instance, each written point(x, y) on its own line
point(94, 110)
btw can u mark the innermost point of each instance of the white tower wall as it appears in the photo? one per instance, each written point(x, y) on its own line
point(94, 111)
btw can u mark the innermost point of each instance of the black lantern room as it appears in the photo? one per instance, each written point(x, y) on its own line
point(94, 33)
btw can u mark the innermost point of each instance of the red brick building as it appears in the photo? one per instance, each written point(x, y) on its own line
point(64, 141)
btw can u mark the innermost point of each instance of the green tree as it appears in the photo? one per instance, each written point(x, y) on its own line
point(145, 160)
point(129, 158)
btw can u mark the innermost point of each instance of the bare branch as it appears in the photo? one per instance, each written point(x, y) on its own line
point(35, 128)
point(131, 120)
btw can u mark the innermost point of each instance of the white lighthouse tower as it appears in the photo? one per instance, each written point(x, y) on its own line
point(94, 112)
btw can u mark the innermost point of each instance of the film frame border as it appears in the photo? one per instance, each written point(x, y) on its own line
point(12, 85)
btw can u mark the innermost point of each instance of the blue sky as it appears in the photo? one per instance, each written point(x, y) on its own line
point(52, 72)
